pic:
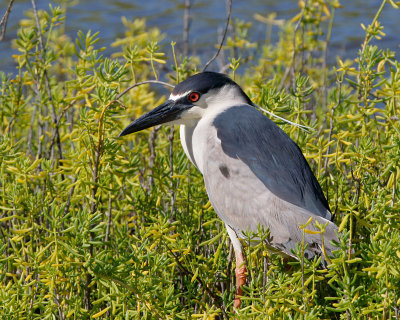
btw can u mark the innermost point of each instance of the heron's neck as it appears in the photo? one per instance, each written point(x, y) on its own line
point(224, 98)
point(196, 123)
point(194, 138)
point(186, 135)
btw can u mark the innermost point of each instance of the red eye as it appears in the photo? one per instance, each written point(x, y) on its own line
point(194, 96)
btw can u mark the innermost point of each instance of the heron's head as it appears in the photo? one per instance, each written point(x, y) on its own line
point(193, 98)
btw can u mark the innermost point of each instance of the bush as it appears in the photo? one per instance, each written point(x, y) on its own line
point(98, 227)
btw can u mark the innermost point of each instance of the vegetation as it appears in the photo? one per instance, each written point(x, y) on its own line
point(92, 226)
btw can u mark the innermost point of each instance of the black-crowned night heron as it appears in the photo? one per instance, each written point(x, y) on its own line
point(254, 174)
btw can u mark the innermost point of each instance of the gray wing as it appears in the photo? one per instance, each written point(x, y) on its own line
point(255, 174)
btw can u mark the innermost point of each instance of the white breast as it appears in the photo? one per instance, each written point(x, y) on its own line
point(186, 135)
point(194, 140)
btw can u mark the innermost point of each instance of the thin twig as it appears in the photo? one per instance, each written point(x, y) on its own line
point(265, 275)
point(109, 215)
point(223, 37)
point(171, 166)
point(291, 70)
point(328, 150)
point(47, 82)
point(325, 56)
point(40, 133)
point(141, 83)
point(95, 168)
point(152, 158)
point(369, 35)
point(198, 279)
point(63, 111)
point(222, 66)
point(4, 20)
point(186, 27)
point(30, 134)
point(71, 192)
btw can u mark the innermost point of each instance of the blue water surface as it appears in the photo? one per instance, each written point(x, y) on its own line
point(207, 17)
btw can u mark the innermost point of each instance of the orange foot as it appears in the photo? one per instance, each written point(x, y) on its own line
point(240, 272)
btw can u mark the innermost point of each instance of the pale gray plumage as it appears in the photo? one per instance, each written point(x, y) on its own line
point(256, 175)
point(253, 172)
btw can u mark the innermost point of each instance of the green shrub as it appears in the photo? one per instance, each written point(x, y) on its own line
point(98, 227)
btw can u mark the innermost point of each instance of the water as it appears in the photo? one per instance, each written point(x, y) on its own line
point(207, 17)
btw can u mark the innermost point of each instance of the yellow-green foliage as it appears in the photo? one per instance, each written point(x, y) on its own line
point(92, 226)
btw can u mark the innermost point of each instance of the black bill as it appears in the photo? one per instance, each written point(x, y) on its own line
point(164, 113)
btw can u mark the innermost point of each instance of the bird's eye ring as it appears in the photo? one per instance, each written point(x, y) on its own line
point(194, 96)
